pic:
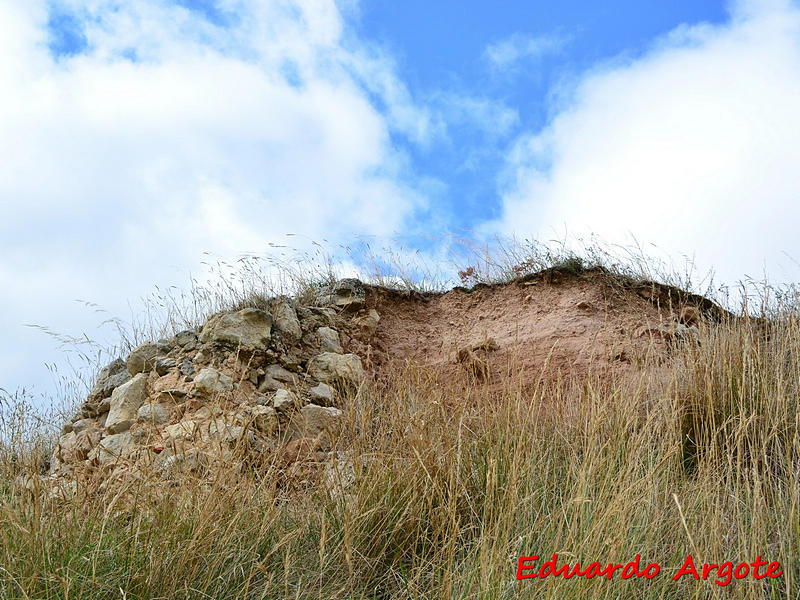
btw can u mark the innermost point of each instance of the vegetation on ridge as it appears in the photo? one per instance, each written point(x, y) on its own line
point(695, 456)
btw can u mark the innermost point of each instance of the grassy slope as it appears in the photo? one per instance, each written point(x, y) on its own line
point(700, 459)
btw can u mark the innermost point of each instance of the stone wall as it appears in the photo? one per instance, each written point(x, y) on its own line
point(250, 383)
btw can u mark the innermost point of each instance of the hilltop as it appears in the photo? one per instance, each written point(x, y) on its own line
point(264, 384)
point(362, 441)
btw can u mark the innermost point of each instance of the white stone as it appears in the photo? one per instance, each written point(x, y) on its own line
point(282, 401)
point(125, 401)
point(210, 381)
point(286, 320)
point(153, 413)
point(265, 419)
point(314, 420)
point(321, 393)
point(112, 448)
point(329, 340)
point(229, 433)
point(248, 328)
point(143, 358)
point(82, 425)
point(185, 430)
point(329, 367)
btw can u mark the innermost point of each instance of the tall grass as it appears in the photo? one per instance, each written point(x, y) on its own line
point(452, 486)
point(452, 483)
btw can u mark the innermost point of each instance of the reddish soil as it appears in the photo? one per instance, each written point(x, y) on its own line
point(548, 327)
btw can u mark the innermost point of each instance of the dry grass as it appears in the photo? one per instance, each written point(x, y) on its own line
point(697, 456)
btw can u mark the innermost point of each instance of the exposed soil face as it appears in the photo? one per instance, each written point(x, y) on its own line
point(251, 382)
point(540, 328)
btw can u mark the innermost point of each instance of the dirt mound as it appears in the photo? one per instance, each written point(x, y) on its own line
point(267, 383)
point(551, 325)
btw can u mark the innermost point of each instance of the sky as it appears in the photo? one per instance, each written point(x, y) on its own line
point(139, 138)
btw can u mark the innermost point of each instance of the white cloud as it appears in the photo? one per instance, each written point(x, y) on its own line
point(118, 175)
point(492, 118)
point(506, 54)
point(692, 147)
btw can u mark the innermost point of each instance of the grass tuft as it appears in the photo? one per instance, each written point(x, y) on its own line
point(695, 455)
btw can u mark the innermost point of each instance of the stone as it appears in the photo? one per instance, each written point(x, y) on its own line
point(173, 396)
point(286, 321)
point(143, 358)
point(111, 376)
point(115, 380)
point(369, 322)
point(248, 328)
point(329, 340)
point(153, 413)
point(229, 433)
point(185, 337)
point(320, 418)
point(112, 448)
point(205, 412)
point(321, 394)
point(67, 438)
point(329, 367)
point(186, 367)
point(82, 425)
point(185, 430)
point(276, 377)
point(339, 476)
point(264, 418)
point(210, 382)
point(313, 317)
point(164, 365)
point(77, 447)
point(170, 465)
point(282, 401)
point(278, 373)
point(320, 422)
point(349, 294)
point(125, 401)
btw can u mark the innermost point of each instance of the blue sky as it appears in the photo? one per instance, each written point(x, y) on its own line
point(137, 137)
point(442, 45)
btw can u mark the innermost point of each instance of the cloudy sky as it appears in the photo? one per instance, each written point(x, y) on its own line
point(137, 136)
